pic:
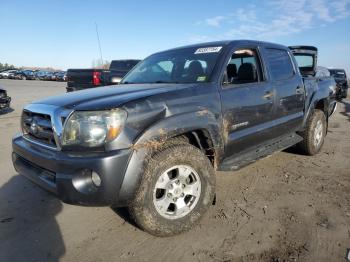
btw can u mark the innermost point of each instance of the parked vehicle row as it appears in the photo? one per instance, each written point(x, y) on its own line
point(34, 75)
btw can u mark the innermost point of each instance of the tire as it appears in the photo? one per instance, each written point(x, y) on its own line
point(314, 133)
point(157, 210)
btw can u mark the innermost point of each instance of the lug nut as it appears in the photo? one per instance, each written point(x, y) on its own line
point(174, 199)
point(177, 182)
point(182, 195)
point(183, 185)
point(169, 195)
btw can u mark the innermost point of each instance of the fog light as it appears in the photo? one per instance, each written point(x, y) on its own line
point(96, 179)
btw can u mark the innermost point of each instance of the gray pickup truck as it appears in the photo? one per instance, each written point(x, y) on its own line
point(154, 142)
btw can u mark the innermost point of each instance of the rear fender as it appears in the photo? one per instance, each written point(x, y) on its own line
point(313, 104)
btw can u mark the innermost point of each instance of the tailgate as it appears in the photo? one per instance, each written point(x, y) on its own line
point(81, 78)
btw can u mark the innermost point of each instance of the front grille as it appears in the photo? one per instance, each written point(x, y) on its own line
point(38, 127)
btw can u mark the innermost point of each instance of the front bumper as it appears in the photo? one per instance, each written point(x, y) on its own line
point(68, 175)
point(5, 102)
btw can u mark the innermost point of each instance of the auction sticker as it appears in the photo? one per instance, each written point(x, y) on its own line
point(205, 50)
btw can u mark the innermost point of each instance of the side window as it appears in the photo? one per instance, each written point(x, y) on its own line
point(244, 67)
point(280, 64)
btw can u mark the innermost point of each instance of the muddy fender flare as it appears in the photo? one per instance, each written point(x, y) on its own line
point(155, 136)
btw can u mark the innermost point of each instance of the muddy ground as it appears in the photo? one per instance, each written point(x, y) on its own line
point(287, 207)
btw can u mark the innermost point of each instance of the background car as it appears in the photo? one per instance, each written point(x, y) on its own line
point(342, 82)
point(48, 76)
point(41, 75)
point(23, 75)
point(61, 76)
point(6, 73)
point(5, 100)
point(12, 74)
point(29, 74)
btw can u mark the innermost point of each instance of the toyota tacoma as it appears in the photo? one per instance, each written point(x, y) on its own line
point(154, 142)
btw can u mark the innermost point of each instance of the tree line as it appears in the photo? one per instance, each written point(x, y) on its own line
point(6, 66)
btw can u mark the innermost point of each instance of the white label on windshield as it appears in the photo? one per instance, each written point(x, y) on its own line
point(205, 50)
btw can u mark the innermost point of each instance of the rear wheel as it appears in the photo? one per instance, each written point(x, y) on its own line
point(314, 133)
point(177, 188)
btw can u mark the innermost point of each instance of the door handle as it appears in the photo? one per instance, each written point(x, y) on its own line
point(268, 95)
point(299, 90)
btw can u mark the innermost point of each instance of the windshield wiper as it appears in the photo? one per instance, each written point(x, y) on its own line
point(163, 82)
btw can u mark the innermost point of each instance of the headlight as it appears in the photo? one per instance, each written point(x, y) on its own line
point(93, 128)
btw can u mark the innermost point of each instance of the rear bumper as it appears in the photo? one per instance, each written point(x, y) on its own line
point(342, 90)
point(68, 175)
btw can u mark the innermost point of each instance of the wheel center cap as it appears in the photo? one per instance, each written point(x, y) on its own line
point(177, 191)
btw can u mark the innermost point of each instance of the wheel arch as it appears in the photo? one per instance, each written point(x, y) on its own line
point(199, 129)
point(317, 103)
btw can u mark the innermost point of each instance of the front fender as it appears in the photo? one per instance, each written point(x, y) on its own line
point(158, 134)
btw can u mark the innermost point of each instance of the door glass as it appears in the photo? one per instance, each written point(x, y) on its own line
point(243, 67)
point(280, 64)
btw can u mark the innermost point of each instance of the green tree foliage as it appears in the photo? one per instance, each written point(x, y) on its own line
point(6, 66)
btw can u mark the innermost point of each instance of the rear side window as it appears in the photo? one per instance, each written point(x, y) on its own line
point(280, 65)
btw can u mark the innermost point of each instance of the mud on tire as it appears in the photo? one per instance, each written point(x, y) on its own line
point(143, 209)
point(313, 140)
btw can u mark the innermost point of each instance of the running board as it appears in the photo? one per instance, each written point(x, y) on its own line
point(275, 145)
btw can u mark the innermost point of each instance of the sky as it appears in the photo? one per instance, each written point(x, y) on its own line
point(61, 34)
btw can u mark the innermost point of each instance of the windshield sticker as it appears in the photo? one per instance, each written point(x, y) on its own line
point(201, 79)
point(205, 50)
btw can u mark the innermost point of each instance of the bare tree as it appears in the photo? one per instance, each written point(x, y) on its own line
point(99, 64)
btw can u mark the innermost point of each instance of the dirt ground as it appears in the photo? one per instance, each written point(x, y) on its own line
point(287, 207)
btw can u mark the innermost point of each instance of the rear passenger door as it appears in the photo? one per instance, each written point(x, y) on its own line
point(289, 90)
point(248, 104)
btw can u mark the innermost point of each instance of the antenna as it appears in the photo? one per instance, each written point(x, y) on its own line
point(99, 44)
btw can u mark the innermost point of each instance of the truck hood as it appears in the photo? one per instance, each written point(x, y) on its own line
point(109, 97)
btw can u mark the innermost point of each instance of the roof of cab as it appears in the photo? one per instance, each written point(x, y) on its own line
point(231, 43)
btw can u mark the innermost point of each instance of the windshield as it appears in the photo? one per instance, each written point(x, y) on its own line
point(187, 65)
point(338, 73)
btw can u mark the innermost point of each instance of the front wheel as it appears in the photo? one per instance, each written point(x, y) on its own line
point(177, 188)
point(314, 133)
